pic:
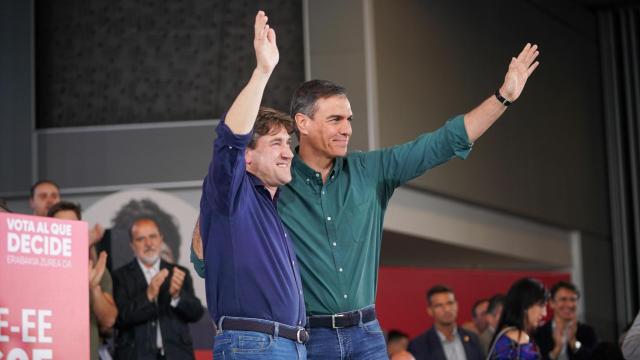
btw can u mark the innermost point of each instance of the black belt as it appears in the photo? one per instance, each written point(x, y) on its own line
point(342, 320)
point(297, 334)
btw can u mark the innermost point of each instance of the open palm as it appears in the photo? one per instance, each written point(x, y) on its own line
point(264, 42)
point(519, 71)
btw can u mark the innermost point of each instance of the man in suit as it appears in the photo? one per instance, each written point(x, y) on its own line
point(445, 340)
point(564, 338)
point(155, 300)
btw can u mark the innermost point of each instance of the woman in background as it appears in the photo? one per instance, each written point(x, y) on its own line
point(524, 308)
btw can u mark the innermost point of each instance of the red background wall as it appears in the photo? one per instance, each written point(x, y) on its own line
point(401, 302)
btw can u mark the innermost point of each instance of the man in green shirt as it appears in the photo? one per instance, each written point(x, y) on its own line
point(334, 206)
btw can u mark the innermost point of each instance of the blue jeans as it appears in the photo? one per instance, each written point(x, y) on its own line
point(235, 344)
point(364, 341)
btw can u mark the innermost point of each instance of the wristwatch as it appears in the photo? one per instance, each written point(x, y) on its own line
point(501, 98)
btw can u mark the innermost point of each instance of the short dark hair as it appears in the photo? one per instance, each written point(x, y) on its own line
point(65, 206)
point(305, 97)
point(563, 285)
point(475, 305)
point(393, 335)
point(40, 182)
point(269, 121)
point(522, 295)
point(437, 289)
point(495, 302)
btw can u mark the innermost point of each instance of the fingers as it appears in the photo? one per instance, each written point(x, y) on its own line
point(271, 36)
point(532, 54)
point(261, 26)
point(178, 276)
point(177, 272)
point(532, 68)
point(176, 284)
point(524, 52)
point(528, 54)
point(101, 264)
point(160, 277)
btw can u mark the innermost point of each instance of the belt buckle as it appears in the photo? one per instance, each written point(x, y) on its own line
point(298, 335)
point(333, 321)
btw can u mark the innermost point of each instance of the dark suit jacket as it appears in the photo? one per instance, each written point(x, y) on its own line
point(427, 346)
point(585, 334)
point(138, 317)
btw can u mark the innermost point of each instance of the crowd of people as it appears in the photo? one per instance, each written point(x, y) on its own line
point(511, 326)
point(145, 306)
point(288, 243)
point(149, 303)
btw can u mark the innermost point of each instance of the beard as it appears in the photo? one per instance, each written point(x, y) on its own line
point(149, 259)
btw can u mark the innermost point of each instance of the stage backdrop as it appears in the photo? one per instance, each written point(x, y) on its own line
point(44, 289)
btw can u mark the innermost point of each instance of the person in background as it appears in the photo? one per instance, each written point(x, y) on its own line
point(103, 310)
point(397, 341)
point(525, 306)
point(478, 323)
point(155, 299)
point(564, 337)
point(445, 340)
point(44, 194)
point(492, 316)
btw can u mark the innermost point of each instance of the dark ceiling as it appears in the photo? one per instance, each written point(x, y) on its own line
point(594, 4)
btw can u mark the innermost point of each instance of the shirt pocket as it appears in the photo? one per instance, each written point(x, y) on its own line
point(358, 222)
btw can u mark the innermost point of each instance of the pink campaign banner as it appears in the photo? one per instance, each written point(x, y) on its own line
point(44, 291)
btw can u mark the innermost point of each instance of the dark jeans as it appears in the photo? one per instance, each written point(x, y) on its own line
point(240, 345)
point(364, 341)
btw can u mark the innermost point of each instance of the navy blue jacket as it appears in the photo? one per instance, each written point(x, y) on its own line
point(427, 346)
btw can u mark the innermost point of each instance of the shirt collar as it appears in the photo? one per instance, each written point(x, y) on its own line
point(256, 182)
point(155, 267)
point(299, 165)
point(443, 338)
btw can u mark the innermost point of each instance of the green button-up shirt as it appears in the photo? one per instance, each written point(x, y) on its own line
point(337, 226)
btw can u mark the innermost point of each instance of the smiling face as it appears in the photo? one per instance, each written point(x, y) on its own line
point(270, 159)
point(564, 304)
point(327, 133)
point(146, 241)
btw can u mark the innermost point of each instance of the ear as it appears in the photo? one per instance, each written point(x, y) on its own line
point(429, 311)
point(248, 156)
point(302, 123)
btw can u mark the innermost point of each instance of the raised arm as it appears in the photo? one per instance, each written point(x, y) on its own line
point(478, 120)
point(243, 111)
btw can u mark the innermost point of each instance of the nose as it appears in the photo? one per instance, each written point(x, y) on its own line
point(286, 152)
point(346, 129)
